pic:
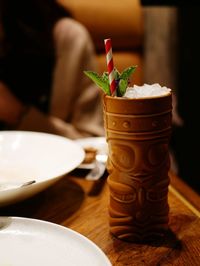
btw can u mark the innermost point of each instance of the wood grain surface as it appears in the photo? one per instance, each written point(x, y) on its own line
point(83, 206)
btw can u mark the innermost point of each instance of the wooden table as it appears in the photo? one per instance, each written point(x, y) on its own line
point(82, 206)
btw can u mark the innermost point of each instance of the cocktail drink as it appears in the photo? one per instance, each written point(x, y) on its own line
point(137, 123)
point(138, 133)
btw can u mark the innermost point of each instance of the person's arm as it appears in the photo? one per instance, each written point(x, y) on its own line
point(11, 109)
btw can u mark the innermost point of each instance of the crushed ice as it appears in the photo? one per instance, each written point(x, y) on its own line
point(146, 91)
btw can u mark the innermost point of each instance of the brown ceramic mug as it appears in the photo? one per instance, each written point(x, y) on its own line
point(138, 133)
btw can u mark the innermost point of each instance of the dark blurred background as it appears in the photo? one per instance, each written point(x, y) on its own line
point(172, 58)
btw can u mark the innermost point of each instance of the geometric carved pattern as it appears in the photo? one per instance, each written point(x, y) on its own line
point(138, 194)
point(138, 168)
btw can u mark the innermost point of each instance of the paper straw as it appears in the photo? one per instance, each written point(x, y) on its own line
point(110, 65)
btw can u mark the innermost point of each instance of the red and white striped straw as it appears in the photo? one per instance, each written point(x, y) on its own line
point(110, 65)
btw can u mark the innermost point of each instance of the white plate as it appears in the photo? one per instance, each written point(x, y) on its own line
point(35, 156)
point(98, 143)
point(31, 242)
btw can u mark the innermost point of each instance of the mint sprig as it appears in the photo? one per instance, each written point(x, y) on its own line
point(100, 81)
point(121, 79)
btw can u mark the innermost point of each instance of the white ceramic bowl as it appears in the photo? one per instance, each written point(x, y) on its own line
point(42, 157)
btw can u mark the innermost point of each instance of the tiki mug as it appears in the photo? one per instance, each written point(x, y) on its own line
point(138, 133)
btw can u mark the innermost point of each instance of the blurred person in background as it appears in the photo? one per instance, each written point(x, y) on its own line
point(43, 53)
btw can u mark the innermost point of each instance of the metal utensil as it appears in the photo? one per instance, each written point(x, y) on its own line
point(6, 186)
point(98, 170)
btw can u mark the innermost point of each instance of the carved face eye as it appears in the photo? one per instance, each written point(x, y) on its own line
point(122, 156)
point(157, 153)
point(122, 192)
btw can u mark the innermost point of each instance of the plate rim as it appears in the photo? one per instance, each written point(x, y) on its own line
point(81, 141)
point(32, 221)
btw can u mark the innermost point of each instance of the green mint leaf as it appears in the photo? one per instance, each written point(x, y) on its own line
point(121, 80)
point(100, 81)
point(105, 77)
point(116, 74)
point(127, 72)
point(122, 86)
